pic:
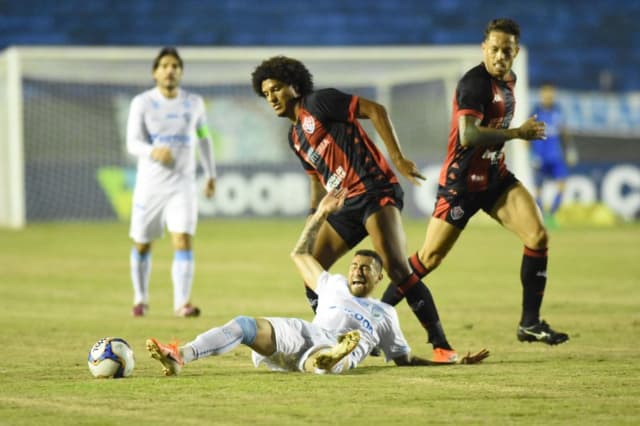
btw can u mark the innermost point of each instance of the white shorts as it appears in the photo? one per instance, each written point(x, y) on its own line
point(295, 340)
point(152, 211)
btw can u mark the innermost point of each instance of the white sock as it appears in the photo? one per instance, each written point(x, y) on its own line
point(140, 271)
point(216, 341)
point(182, 274)
point(220, 340)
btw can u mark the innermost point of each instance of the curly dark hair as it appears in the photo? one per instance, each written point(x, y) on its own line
point(287, 70)
point(504, 25)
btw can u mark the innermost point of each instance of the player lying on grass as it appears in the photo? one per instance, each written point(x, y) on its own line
point(348, 323)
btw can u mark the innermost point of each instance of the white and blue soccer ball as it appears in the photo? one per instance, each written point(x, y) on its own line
point(111, 357)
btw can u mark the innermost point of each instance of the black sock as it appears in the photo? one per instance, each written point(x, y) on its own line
point(423, 306)
point(392, 295)
point(533, 274)
point(312, 298)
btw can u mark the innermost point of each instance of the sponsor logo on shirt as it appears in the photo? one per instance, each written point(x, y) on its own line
point(336, 179)
point(313, 157)
point(493, 156)
point(497, 98)
point(365, 324)
point(169, 139)
point(477, 178)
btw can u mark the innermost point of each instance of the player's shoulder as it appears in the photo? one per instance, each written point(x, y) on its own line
point(476, 82)
point(476, 74)
point(144, 96)
point(190, 96)
point(332, 281)
point(323, 95)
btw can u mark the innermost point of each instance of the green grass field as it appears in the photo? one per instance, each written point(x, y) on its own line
point(63, 286)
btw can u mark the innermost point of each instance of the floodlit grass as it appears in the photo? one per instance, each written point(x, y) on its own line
point(63, 286)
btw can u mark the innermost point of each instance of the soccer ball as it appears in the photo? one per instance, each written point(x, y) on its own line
point(111, 357)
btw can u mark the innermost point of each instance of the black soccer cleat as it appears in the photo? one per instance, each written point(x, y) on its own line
point(541, 332)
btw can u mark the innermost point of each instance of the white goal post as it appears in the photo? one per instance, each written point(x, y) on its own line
point(63, 110)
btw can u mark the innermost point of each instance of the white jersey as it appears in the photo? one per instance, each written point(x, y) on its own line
point(158, 121)
point(340, 311)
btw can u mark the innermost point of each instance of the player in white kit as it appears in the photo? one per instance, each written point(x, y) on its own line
point(348, 323)
point(165, 126)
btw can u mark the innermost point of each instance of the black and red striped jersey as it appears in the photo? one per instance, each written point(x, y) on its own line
point(472, 169)
point(332, 144)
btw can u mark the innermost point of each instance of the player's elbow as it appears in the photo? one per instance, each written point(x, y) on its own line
point(379, 112)
point(468, 136)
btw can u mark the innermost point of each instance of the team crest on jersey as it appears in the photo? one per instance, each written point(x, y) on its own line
point(309, 124)
point(456, 213)
point(497, 98)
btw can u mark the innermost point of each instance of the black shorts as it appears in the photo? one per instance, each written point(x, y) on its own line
point(459, 208)
point(349, 221)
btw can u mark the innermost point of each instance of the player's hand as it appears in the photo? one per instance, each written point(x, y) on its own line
point(333, 200)
point(532, 129)
point(163, 155)
point(409, 170)
point(475, 358)
point(210, 188)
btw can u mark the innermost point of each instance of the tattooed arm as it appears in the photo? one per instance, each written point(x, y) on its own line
point(307, 265)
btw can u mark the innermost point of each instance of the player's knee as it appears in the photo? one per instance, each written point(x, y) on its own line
point(538, 239)
point(397, 270)
point(142, 248)
point(181, 241)
point(431, 260)
point(249, 328)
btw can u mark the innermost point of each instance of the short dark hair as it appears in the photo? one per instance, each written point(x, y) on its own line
point(167, 51)
point(370, 253)
point(504, 25)
point(287, 70)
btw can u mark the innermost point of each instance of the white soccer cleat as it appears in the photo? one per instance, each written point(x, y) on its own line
point(328, 358)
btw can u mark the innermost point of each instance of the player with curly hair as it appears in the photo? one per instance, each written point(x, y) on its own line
point(336, 152)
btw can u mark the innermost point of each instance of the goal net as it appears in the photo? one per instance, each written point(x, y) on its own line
point(63, 113)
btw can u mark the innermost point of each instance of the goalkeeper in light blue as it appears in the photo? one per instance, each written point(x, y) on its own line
point(165, 128)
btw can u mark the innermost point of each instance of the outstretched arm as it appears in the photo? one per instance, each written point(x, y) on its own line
point(307, 265)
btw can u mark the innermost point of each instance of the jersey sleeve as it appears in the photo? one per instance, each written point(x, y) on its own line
point(392, 340)
point(138, 140)
point(471, 95)
point(332, 105)
point(331, 284)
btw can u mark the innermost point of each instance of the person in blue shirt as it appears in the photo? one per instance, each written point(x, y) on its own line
point(551, 156)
